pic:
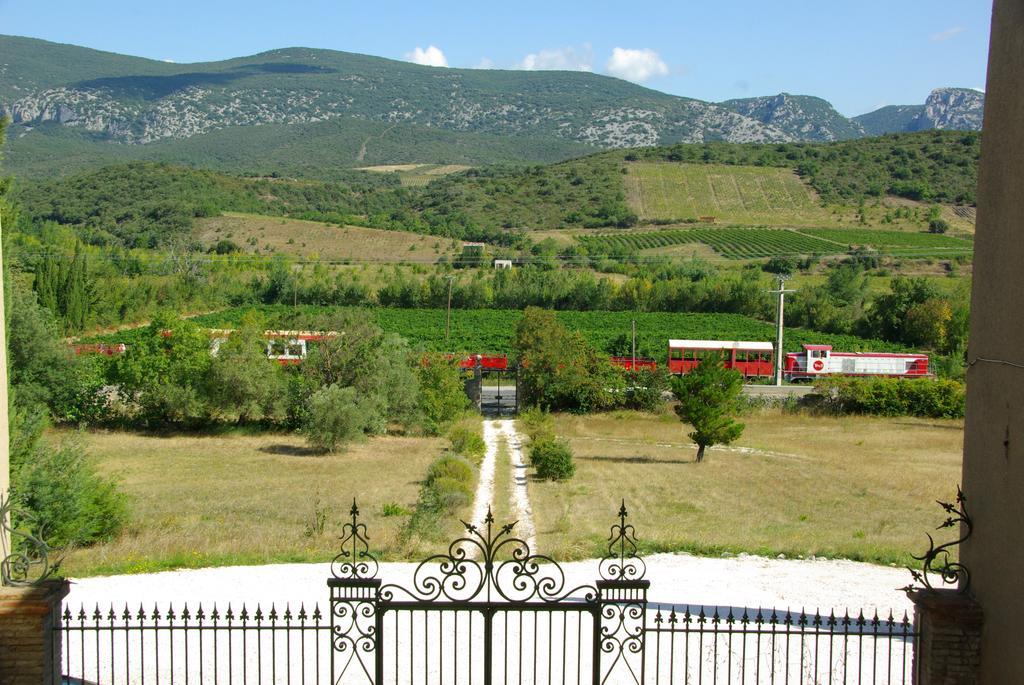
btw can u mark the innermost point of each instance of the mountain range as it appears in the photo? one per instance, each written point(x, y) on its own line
point(312, 112)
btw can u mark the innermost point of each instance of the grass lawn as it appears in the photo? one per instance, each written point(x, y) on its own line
point(249, 499)
point(854, 487)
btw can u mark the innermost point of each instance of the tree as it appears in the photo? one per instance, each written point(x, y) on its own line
point(242, 384)
point(559, 370)
point(337, 416)
point(378, 365)
point(164, 372)
point(442, 393)
point(708, 400)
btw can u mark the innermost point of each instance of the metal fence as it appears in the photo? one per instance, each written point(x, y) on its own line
point(486, 610)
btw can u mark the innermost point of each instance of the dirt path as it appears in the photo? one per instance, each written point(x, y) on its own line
point(485, 486)
point(494, 433)
point(520, 495)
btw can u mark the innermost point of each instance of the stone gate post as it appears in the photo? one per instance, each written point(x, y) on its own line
point(30, 651)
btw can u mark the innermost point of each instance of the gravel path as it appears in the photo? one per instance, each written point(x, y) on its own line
point(485, 486)
point(494, 432)
point(520, 494)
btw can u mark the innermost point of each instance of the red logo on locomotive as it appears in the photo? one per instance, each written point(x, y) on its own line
point(819, 365)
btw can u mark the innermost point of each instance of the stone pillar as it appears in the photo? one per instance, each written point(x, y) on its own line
point(30, 653)
point(949, 647)
point(993, 475)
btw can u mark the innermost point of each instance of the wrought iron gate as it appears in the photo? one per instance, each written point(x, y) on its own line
point(487, 610)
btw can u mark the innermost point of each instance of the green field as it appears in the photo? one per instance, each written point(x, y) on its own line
point(492, 330)
point(754, 243)
point(895, 242)
point(731, 194)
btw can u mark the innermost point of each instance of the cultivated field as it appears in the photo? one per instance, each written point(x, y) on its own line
point(764, 196)
point(854, 487)
point(492, 330)
point(732, 194)
point(416, 174)
point(311, 239)
point(249, 499)
point(755, 243)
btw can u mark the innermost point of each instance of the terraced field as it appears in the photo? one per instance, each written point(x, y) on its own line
point(757, 243)
point(732, 194)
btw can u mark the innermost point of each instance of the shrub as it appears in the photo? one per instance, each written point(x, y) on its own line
point(552, 459)
point(467, 441)
point(894, 396)
point(71, 502)
point(938, 226)
point(336, 416)
point(446, 496)
point(537, 424)
point(450, 467)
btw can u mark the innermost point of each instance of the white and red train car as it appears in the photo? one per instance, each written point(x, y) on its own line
point(821, 360)
point(752, 359)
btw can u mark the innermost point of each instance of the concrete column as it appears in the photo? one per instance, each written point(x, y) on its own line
point(30, 652)
point(949, 649)
point(993, 469)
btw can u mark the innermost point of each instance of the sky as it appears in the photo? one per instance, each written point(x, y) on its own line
point(858, 55)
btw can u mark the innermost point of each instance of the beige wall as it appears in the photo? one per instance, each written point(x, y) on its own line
point(993, 475)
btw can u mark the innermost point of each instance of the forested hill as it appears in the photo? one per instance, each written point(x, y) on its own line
point(306, 112)
point(147, 204)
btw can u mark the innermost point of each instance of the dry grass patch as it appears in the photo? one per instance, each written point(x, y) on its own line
point(853, 487)
point(315, 239)
point(248, 499)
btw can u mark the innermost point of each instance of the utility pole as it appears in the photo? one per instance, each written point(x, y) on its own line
point(634, 344)
point(5, 443)
point(781, 292)
point(448, 320)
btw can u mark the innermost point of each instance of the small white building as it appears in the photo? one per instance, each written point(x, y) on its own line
point(502, 263)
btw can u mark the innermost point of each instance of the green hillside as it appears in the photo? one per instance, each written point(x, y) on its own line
point(147, 203)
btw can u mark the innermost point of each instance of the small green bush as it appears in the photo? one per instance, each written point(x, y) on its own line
point(468, 441)
point(452, 467)
point(447, 495)
point(552, 459)
point(537, 424)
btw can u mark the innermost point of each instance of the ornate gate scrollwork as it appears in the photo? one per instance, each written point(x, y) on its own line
point(489, 572)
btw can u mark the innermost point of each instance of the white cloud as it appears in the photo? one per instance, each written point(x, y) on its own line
point(947, 34)
point(431, 56)
point(636, 65)
point(485, 63)
point(563, 59)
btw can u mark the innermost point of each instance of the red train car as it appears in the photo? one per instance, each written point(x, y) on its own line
point(107, 349)
point(488, 362)
point(635, 363)
point(752, 359)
